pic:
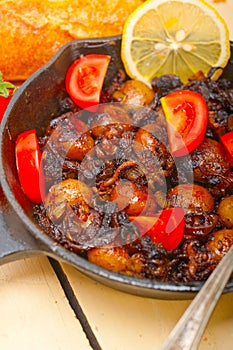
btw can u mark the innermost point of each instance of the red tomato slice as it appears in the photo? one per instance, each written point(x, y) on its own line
point(167, 227)
point(186, 114)
point(85, 77)
point(28, 158)
point(227, 141)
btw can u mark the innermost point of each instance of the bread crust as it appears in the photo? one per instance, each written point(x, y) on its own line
point(33, 30)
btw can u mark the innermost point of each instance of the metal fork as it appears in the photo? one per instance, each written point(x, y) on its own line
point(187, 333)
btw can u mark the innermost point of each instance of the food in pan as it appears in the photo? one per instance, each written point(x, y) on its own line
point(129, 189)
point(117, 195)
point(85, 79)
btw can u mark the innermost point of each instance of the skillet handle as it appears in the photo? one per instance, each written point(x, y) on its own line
point(15, 240)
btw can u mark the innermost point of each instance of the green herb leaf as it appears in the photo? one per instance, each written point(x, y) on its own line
point(5, 86)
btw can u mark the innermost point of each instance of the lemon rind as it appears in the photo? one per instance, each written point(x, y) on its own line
point(128, 37)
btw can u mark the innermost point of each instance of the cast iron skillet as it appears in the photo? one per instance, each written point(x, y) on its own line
point(32, 106)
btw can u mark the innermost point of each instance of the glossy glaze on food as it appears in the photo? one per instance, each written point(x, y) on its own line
point(119, 165)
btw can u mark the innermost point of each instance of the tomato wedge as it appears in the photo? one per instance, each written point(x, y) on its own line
point(186, 114)
point(166, 228)
point(227, 141)
point(85, 77)
point(28, 159)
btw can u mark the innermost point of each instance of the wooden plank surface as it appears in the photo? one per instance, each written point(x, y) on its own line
point(35, 312)
point(126, 322)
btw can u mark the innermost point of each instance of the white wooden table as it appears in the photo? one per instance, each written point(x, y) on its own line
point(35, 312)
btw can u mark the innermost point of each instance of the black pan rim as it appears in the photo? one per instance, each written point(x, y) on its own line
point(129, 284)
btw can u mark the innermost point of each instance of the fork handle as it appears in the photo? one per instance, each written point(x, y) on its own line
point(188, 331)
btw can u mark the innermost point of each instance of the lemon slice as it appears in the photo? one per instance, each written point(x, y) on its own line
point(178, 37)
